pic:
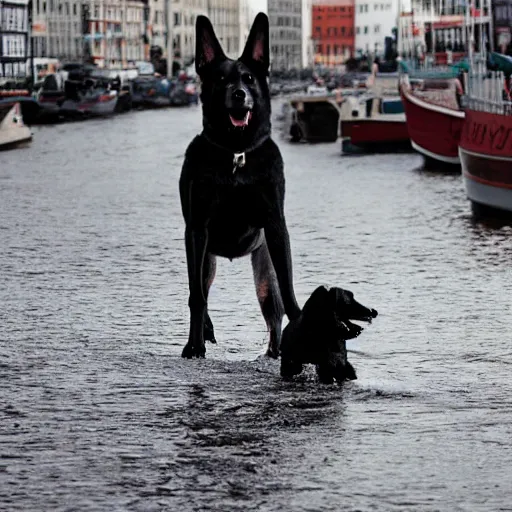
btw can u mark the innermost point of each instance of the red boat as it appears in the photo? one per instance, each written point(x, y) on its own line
point(370, 124)
point(486, 157)
point(434, 119)
point(384, 131)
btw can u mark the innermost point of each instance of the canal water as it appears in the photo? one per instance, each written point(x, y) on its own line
point(98, 412)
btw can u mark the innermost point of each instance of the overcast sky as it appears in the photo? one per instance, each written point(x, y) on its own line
point(258, 5)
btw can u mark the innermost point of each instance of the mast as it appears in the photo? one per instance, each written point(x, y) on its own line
point(30, 44)
point(491, 26)
point(433, 31)
point(145, 36)
point(168, 37)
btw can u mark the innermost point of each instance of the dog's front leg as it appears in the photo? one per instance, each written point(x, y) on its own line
point(278, 242)
point(196, 240)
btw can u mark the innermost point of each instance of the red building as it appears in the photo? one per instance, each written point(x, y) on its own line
point(333, 31)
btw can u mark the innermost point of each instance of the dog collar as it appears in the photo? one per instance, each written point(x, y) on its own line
point(239, 159)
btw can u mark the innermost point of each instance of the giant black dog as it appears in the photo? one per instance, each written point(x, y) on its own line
point(232, 185)
point(318, 336)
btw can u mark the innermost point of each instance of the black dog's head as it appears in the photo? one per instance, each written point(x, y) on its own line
point(234, 93)
point(346, 308)
point(336, 308)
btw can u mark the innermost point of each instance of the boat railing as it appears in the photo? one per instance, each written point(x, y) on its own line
point(426, 70)
point(487, 90)
point(484, 105)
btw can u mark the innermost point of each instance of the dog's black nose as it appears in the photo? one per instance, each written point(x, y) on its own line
point(239, 95)
point(374, 313)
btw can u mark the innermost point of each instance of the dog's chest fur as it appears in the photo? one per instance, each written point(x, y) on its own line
point(222, 184)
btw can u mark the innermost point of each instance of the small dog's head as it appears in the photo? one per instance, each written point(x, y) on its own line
point(346, 308)
point(234, 93)
point(335, 308)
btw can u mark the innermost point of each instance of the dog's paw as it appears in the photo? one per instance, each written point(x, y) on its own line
point(208, 333)
point(272, 352)
point(274, 344)
point(350, 372)
point(190, 351)
point(325, 373)
point(290, 368)
point(344, 371)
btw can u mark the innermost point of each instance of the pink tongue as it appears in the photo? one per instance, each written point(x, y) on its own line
point(241, 122)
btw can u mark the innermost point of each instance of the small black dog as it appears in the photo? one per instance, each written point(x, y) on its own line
point(319, 335)
point(232, 185)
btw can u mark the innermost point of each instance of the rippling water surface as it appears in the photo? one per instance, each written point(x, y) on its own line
point(99, 412)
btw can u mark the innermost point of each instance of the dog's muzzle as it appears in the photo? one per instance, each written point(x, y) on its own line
point(240, 110)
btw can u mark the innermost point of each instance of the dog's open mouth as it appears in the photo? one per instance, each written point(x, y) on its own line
point(365, 317)
point(240, 118)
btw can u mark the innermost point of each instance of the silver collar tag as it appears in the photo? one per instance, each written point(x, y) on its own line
point(238, 161)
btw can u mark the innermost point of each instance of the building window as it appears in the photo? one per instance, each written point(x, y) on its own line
point(366, 29)
point(376, 29)
point(358, 30)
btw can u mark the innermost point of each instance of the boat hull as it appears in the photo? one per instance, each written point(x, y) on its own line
point(92, 108)
point(374, 135)
point(13, 132)
point(486, 157)
point(434, 130)
point(30, 108)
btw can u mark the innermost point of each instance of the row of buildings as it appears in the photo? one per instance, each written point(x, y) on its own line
point(333, 30)
point(302, 32)
point(328, 32)
point(114, 33)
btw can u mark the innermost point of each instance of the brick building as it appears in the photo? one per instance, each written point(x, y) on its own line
point(333, 31)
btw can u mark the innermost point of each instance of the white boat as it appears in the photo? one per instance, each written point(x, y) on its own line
point(13, 131)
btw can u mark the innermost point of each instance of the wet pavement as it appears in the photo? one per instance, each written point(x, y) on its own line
point(99, 412)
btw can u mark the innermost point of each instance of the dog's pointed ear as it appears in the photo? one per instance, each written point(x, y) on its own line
point(257, 49)
point(208, 48)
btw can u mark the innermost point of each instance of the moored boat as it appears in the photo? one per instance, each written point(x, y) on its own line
point(314, 118)
point(13, 131)
point(88, 93)
point(486, 143)
point(434, 118)
point(373, 123)
point(30, 108)
point(51, 95)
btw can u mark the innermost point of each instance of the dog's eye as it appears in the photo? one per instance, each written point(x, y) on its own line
point(248, 78)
